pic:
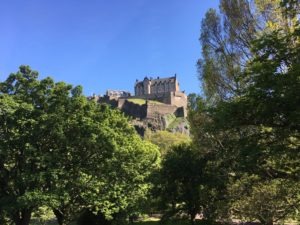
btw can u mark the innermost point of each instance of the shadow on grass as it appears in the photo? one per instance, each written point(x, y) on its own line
point(172, 222)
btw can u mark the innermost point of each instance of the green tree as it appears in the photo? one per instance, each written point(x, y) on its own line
point(254, 134)
point(181, 181)
point(165, 139)
point(270, 200)
point(226, 40)
point(188, 184)
point(60, 150)
point(23, 184)
point(193, 101)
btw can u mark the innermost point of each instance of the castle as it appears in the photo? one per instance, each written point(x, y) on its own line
point(165, 90)
point(156, 86)
point(160, 95)
point(153, 99)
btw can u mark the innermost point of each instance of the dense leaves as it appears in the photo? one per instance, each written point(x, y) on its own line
point(61, 150)
point(252, 133)
point(165, 140)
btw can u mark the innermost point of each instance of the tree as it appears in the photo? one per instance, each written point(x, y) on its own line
point(268, 201)
point(188, 184)
point(226, 40)
point(193, 101)
point(165, 139)
point(254, 134)
point(109, 164)
point(22, 173)
point(181, 183)
point(60, 150)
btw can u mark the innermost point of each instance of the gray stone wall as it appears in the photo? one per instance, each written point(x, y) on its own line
point(174, 103)
point(154, 109)
point(179, 99)
point(134, 110)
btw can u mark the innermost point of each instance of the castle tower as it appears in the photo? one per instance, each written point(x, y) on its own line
point(147, 86)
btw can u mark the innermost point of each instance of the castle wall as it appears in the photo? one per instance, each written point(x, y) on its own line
point(164, 90)
point(179, 99)
point(154, 109)
point(108, 100)
point(134, 110)
point(149, 110)
point(121, 102)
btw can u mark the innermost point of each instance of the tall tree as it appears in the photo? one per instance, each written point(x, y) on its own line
point(180, 186)
point(226, 38)
point(22, 171)
point(255, 132)
point(61, 150)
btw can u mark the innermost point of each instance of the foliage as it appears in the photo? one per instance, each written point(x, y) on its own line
point(275, 197)
point(169, 118)
point(43, 216)
point(176, 222)
point(193, 101)
point(178, 121)
point(226, 39)
point(181, 183)
point(62, 151)
point(252, 133)
point(165, 139)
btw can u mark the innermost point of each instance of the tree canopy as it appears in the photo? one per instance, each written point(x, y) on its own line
point(248, 121)
point(61, 150)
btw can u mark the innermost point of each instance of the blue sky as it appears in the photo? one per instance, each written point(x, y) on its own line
point(103, 44)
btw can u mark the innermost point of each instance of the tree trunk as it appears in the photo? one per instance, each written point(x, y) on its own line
point(22, 217)
point(267, 222)
point(59, 217)
point(192, 218)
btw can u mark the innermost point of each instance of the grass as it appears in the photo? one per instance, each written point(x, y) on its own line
point(171, 222)
point(177, 121)
point(140, 101)
point(170, 118)
point(137, 101)
point(179, 222)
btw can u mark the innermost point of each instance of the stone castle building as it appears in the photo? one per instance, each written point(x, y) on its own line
point(165, 90)
point(150, 86)
point(158, 102)
point(117, 93)
point(162, 96)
